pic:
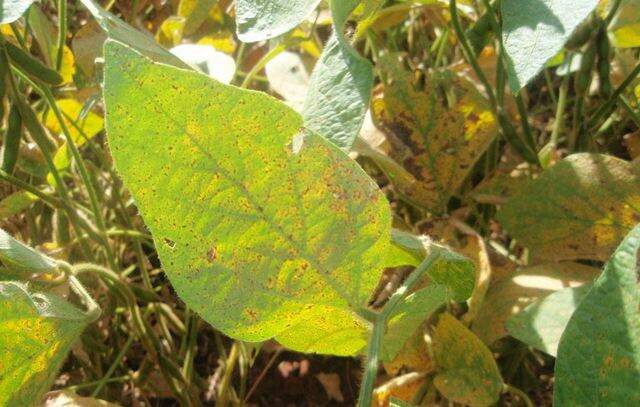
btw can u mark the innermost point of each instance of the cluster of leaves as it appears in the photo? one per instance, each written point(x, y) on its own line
point(446, 189)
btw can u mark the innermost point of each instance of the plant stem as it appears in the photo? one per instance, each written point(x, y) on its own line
point(116, 362)
point(62, 32)
point(605, 108)
point(562, 104)
point(229, 366)
point(519, 393)
point(374, 347)
point(371, 366)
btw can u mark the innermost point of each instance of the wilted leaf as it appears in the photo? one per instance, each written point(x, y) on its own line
point(259, 20)
point(287, 228)
point(509, 296)
point(542, 323)
point(534, 31)
point(580, 208)
point(599, 353)
point(468, 373)
point(340, 87)
point(400, 388)
point(11, 10)
point(437, 141)
point(36, 332)
point(87, 46)
point(20, 256)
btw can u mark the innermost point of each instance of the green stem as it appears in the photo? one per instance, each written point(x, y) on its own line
point(380, 324)
point(519, 393)
point(62, 32)
point(634, 115)
point(116, 362)
point(606, 108)
point(562, 104)
point(262, 63)
point(93, 197)
point(229, 367)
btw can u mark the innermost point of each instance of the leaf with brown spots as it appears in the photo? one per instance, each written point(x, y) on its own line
point(599, 353)
point(468, 374)
point(437, 133)
point(580, 208)
point(263, 228)
point(36, 333)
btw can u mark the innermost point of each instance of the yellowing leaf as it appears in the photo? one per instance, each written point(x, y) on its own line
point(402, 387)
point(468, 374)
point(509, 296)
point(223, 42)
point(171, 30)
point(36, 332)
point(68, 67)
point(437, 141)
point(580, 208)
point(284, 225)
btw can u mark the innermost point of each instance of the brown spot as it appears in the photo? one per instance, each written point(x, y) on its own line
point(212, 254)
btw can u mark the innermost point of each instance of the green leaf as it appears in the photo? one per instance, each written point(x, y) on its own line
point(435, 138)
point(18, 255)
point(259, 20)
point(542, 323)
point(509, 296)
point(340, 87)
point(468, 374)
point(36, 332)
point(534, 31)
point(580, 208)
point(599, 353)
point(11, 10)
point(16, 203)
point(258, 226)
point(121, 31)
point(409, 315)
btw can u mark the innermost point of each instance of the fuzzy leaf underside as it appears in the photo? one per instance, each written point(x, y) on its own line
point(259, 20)
point(533, 31)
point(340, 85)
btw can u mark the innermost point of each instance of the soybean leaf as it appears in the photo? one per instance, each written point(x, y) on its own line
point(467, 372)
point(542, 323)
point(599, 353)
point(580, 208)
point(11, 10)
point(121, 31)
point(510, 295)
point(16, 203)
point(625, 26)
point(408, 317)
point(533, 31)
point(258, 226)
point(340, 87)
point(394, 402)
point(258, 20)
point(17, 255)
point(436, 139)
point(36, 332)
